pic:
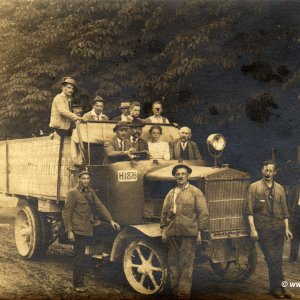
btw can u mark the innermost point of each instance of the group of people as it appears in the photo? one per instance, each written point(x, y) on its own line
point(128, 130)
point(184, 214)
point(64, 111)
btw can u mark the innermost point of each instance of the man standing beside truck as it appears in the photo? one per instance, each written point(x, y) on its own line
point(78, 216)
point(184, 216)
point(268, 215)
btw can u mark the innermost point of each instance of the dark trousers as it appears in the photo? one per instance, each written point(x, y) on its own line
point(81, 260)
point(271, 242)
point(295, 243)
point(63, 132)
point(181, 255)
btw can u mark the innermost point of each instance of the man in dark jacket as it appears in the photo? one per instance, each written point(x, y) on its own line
point(184, 148)
point(137, 142)
point(78, 217)
point(184, 216)
point(268, 215)
point(125, 108)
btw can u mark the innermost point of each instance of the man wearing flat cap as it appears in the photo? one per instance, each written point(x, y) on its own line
point(96, 114)
point(184, 216)
point(125, 116)
point(79, 215)
point(61, 115)
point(119, 148)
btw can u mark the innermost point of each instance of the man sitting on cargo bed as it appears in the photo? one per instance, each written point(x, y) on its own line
point(184, 216)
point(61, 116)
point(78, 216)
point(184, 148)
point(119, 148)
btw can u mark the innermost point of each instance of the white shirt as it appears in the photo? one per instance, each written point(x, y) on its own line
point(159, 119)
point(125, 118)
point(159, 150)
point(120, 144)
point(183, 145)
point(176, 192)
point(97, 117)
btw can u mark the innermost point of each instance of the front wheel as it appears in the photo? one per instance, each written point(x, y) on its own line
point(31, 232)
point(145, 267)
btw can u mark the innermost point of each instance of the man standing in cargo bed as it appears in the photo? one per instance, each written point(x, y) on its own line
point(184, 216)
point(267, 213)
point(61, 116)
point(78, 216)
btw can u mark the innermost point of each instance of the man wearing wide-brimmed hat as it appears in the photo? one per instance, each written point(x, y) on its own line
point(125, 116)
point(96, 114)
point(119, 147)
point(184, 216)
point(61, 115)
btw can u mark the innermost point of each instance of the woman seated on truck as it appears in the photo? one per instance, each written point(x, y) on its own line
point(158, 149)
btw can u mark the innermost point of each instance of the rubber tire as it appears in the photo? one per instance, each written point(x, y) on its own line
point(159, 253)
point(38, 247)
point(46, 234)
point(221, 273)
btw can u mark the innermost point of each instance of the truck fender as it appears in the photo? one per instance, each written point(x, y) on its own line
point(131, 233)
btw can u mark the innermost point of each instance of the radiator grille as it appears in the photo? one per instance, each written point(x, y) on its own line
point(225, 202)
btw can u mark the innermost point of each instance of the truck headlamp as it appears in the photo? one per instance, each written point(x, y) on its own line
point(216, 141)
point(215, 145)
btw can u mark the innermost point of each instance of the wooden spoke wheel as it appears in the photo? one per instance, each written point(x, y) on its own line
point(145, 267)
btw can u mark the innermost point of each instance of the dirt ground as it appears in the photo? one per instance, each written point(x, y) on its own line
point(50, 278)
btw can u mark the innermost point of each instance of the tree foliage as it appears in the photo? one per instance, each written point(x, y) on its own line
point(133, 49)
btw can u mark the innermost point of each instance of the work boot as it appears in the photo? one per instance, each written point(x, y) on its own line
point(277, 293)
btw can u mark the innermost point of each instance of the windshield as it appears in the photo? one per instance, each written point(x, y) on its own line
point(98, 132)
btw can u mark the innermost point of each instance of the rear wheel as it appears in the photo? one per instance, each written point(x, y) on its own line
point(236, 270)
point(145, 267)
point(31, 233)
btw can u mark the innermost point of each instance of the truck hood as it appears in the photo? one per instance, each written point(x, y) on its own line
point(199, 172)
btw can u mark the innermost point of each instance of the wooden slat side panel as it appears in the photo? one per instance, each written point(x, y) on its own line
point(33, 165)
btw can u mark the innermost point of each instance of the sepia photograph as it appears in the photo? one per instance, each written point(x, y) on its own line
point(149, 149)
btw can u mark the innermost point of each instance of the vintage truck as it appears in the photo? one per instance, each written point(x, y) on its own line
point(39, 171)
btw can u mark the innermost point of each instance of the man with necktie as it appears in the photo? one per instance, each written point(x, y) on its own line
point(137, 142)
point(184, 148)
point(119, 148)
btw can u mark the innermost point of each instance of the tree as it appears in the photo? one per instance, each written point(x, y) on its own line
point(134, 49)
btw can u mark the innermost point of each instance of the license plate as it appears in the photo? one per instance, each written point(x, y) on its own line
point(127, 175)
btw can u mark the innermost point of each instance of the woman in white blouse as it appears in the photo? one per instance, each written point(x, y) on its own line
point(158, 149)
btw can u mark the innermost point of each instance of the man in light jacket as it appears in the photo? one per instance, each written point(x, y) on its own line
point(61, 114)
point(184, 216)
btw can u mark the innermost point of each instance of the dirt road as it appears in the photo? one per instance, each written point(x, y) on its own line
point(51, 276)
